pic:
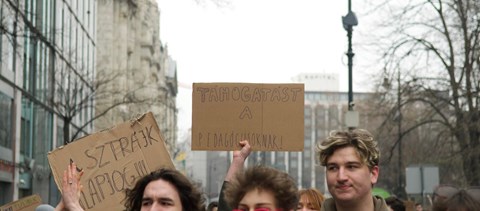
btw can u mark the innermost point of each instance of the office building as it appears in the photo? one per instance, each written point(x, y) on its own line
point(47, 72)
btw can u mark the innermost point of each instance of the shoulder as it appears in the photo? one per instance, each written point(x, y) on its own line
point(379, 204)
point(328, 205)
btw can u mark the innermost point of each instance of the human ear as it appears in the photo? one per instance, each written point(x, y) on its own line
point(374, 174)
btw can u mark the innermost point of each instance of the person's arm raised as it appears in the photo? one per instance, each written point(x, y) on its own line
point(238, 161)
point(239, 157)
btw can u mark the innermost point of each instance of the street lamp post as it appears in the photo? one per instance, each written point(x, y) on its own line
point(349, 21)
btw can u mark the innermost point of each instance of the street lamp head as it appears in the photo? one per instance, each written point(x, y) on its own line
point(349, 20)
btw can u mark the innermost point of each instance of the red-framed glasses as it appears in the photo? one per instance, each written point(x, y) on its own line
point(257, 209)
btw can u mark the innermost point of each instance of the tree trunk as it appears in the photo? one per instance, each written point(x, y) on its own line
point(471, 167)
point(66, 130)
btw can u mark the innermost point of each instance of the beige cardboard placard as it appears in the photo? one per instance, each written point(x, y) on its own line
point(269, 116)
point(113, 160)
point(28, 203)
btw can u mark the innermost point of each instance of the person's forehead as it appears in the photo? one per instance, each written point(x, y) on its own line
point(258, 196)
point(345, 154)
point(160, 188)
point(305, 198)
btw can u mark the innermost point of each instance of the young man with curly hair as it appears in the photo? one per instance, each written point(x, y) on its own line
point(164, 189)
point(351, 159)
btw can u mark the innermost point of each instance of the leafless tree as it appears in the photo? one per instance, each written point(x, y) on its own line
point(431, 65)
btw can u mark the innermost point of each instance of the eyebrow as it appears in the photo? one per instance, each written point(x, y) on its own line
point(347, 163)
point(147, 198)
point(257, 204)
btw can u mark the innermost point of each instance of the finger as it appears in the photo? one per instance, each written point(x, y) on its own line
point(246, 149)
point(65, 178)
point(247, 144)
point(79, 191)
point(69, 174)
point(243, 142)
point(74, 171)
point(79, 175)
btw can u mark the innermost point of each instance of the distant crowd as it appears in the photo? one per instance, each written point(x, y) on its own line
point(351, 159)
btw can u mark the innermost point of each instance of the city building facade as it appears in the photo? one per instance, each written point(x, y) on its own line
point(47, 69)
point(139, 74)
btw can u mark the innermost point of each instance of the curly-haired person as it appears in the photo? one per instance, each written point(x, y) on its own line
point(262, 187)
point(351, 159)
point(164, 189)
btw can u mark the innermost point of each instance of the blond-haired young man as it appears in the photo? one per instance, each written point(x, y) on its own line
point(351, 160)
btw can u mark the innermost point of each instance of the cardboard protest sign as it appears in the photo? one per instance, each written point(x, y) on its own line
point(28, 203)
point(269, 116)
point(112, 161)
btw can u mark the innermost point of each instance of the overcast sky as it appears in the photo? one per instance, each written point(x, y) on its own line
point(257, 41)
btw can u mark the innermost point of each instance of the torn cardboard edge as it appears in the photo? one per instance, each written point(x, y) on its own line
point(113, 160)
point(28, 203)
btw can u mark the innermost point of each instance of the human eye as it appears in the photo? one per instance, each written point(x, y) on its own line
point(146, 203)
point(332, 168)
point(166, 203)
point(353, 166)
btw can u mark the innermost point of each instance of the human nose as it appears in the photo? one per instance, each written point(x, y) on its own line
point(155, 207)
point(342, 174)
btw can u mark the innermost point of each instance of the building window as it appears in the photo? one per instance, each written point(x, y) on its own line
point(6, 111)
point(26, 129)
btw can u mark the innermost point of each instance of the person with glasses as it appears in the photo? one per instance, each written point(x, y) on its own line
point(262, 188)
point(310, 199)
point(258, 188)
point(351, 159)
point(451, 198)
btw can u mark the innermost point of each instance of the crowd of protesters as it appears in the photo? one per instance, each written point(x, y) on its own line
point(351, 161)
